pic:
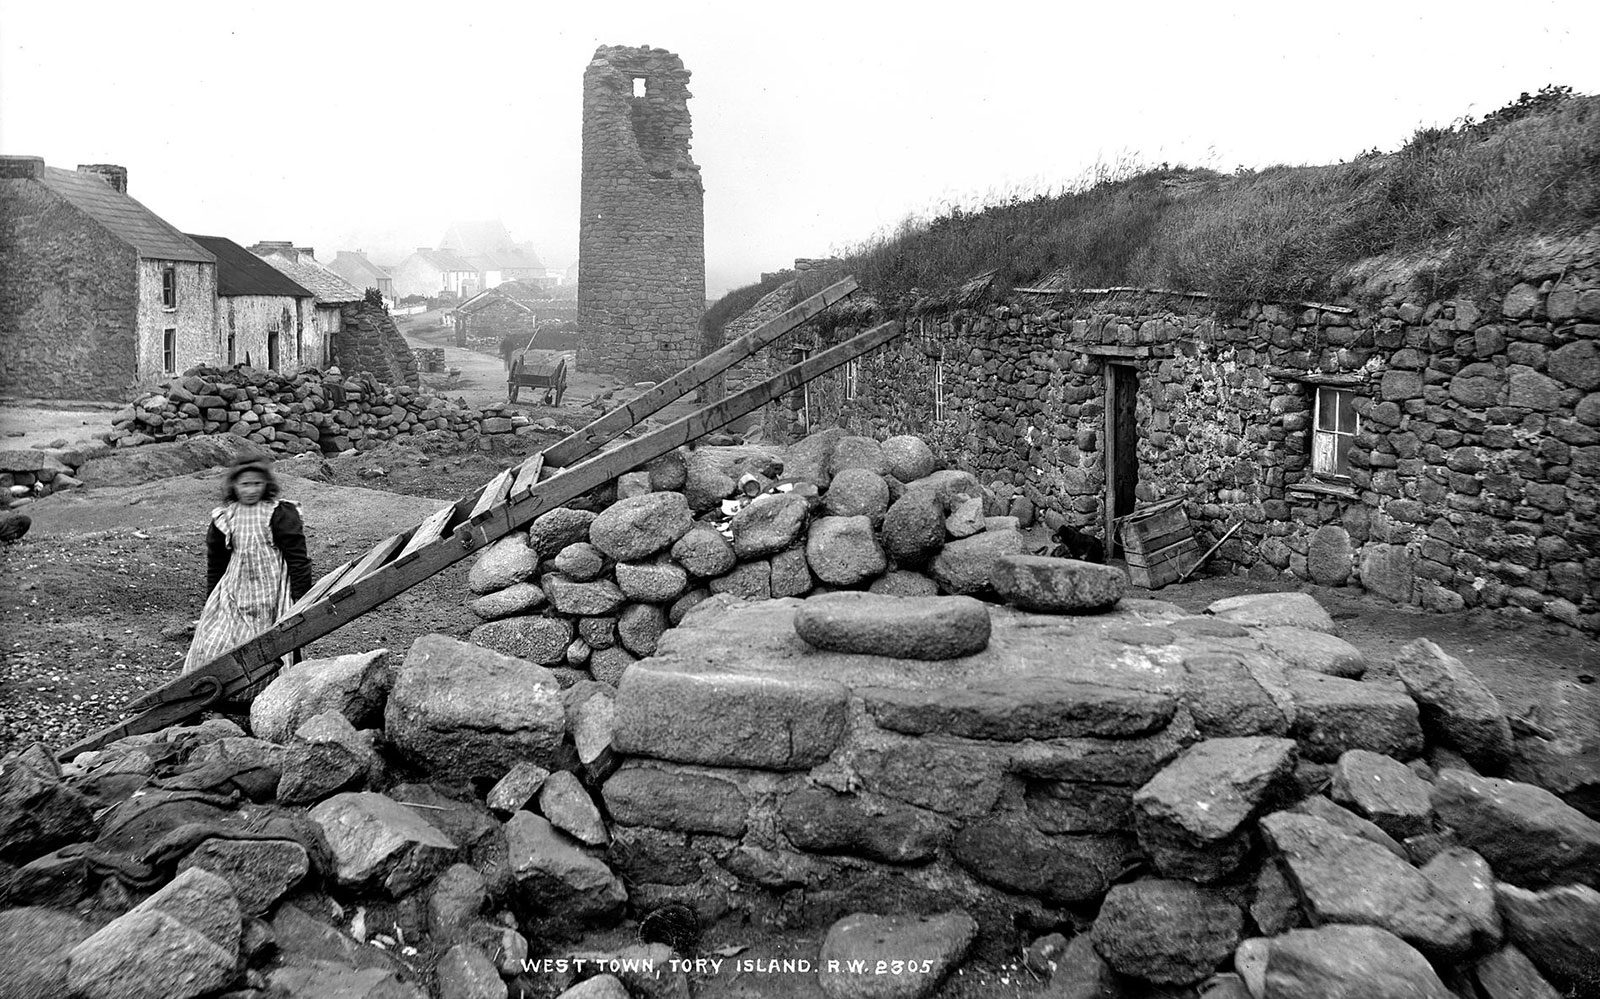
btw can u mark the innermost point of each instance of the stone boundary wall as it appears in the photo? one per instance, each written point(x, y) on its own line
point(1475, 478)
point(311, 412)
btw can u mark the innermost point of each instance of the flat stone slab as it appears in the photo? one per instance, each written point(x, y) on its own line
point(1347, 879)
point(1333, 715)
point(1336, 961)
point(1384, 790)
point(1056, 585)
point(375, 839)
point(1457, 709)
point(1303, 648)
point(1531, 837)
point(1172, 932)
point(1028, 707)
point(1192, 815)
point(1267, 610)
point(904, 627)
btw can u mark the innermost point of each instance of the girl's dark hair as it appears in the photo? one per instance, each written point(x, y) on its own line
point(251, 465)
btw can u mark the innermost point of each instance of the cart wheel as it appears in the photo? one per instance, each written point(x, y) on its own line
point(560, 381)
point(511, 381)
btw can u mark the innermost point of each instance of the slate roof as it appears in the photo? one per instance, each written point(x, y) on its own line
point(357, 269)
point(324, 284)
point(151, 236)
point(523, 296)
point(240, 272)
point(444, 260)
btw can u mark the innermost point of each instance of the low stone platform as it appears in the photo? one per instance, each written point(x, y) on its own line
point(1001, 782)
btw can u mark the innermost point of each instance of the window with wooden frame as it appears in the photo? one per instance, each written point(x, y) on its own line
point(169, 351)
point(169, 286)
point(1334, 425)
point(939, 406)
point(852, 376)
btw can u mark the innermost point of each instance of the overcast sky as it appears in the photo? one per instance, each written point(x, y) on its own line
point(349, 124)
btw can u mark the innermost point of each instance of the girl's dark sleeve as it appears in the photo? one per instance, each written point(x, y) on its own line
point(217, 556)
point(289, 534)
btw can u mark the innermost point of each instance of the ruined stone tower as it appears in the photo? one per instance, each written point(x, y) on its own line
point(641, 241)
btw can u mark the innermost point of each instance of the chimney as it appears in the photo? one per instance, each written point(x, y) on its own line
point(116, 176)
point(282, 247)
point(22, 167)
point(305, 251)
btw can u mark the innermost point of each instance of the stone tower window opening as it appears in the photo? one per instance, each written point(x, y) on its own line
point(638, 86)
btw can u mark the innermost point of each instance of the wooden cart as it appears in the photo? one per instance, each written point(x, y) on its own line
point(527, 372)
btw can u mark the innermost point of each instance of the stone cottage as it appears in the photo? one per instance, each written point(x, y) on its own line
point(1440, 453)
point(353, 266)
point(332, 293)
point(504, 310)
point(434, 273)
point(98, 294)
point(263, 317)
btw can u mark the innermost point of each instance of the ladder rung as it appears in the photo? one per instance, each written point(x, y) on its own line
point(527, 474)
point(370, 562)
point(428, 531)
point(321, 586)
point(493, 494)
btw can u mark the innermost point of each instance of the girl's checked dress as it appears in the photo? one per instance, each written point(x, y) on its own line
point(254, 590)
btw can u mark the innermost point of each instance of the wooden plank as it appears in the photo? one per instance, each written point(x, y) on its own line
point(493, 494)
point(1167, 554)
point(527, 474)
point(318, 588)
point(255, 662)
point(370, 562)
point(1140, 544)
point(1108, 459)
point(586, 441)
point(429, 531)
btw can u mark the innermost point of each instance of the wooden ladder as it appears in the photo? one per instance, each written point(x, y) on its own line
point(567, 469)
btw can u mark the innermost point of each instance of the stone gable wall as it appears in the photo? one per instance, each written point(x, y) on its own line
point(641, 241)
point(368, 340)
point(68, 300)
point(1475, 477)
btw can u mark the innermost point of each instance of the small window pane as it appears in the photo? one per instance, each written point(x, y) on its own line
point(1326, 405)
point(1347, 413)
point(1341, 454)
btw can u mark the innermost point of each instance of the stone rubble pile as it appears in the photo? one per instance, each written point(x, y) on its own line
point(586, 594)
point(311, 411)
point(1012, 759)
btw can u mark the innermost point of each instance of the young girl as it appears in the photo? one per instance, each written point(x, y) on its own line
point(256, 562)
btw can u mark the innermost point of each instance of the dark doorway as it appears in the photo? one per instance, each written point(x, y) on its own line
point(1121, 447)
point(272, 349)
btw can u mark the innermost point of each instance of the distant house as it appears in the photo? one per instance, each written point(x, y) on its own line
point(263, 317)
point(331, 291)
point(498, 312)
point(488, 246)
point(353, 266)
point(98, 295)
point(434, 273)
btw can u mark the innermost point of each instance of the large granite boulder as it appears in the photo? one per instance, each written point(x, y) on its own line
point(354, 685)
point(913, 527)
point(541, 640)
point(503, 563)
point(1055, 585)
point(1266, 610)
point(1531, 837)
point(842, 551)
point(967, 565)
point(858, 492)
point(916, 953)
point(1171, 932)
point(1194, 816)
point(1565, 756)
point(1346, 879)
point(464, 712)
point(638, 527)
point(771, 523)
point(1457, 709)
point(1341, 962)
point(559, 888)
point(908, 458)
point(377, 842)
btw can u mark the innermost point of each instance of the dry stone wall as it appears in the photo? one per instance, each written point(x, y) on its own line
point(641, 238)
point(369, 340)
point(312, 412)
point(1474, 479)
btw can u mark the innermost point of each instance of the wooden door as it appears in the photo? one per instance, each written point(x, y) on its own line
point(1121, 447)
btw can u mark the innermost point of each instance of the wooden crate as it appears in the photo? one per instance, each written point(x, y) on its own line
point(1158, 543)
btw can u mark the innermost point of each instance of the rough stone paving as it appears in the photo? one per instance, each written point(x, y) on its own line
point(653, 725)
